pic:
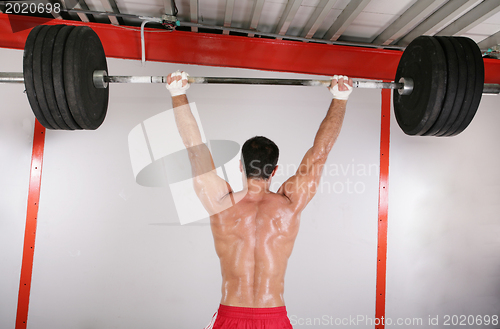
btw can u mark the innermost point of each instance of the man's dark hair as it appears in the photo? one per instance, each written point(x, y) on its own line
point(260, 156)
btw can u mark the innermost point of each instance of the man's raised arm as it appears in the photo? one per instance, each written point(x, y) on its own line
point(302, 187)
point(210, 188)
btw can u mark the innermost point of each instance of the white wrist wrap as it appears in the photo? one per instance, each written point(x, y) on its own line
point(337, 94)
point(175, 87)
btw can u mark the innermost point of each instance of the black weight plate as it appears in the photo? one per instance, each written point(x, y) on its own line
point(423, 61)
point(38, 76)
point(469, 93)
point(83, 55)
point(461, 86)
point(451, 85)
point(58, 76)
point(48, 86)
point(478, 86)
point(28, 76)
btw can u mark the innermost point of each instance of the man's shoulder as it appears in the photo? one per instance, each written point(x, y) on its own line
point(274, 200)
point(277, 198)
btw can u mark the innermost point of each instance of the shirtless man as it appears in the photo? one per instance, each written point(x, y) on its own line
point(254, 230)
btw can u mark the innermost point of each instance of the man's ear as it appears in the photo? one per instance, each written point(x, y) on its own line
point(274, 171)
point(241, 166)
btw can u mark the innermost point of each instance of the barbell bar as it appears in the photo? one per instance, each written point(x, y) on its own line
point(11, 77)
point(404, 87)
point(437, 89)
point(101, 79)
point(98, 77)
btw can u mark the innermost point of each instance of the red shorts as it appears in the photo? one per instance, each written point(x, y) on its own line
point(250, 318)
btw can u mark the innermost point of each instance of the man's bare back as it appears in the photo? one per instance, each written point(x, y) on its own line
point(254, 230)
point(254, 239)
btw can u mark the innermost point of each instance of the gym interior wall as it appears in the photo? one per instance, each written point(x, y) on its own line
point(112, 253)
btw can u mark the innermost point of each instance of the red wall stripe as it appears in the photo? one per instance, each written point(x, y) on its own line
point(30, 231)
point(383, 206)
point(231, 51)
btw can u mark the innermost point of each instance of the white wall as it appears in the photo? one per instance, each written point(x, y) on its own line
point(16, 137)
point(112, 254)
point(444, 223)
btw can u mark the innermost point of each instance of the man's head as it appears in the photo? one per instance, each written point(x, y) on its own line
point(259, 157)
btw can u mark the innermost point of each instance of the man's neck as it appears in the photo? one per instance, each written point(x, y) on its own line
point(257, 188)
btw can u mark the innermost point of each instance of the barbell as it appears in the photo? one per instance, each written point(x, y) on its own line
point(438, 85)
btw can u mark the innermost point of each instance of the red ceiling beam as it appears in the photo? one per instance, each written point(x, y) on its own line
point(231, 51)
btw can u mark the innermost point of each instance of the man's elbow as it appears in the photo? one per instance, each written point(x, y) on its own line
point(319, 154)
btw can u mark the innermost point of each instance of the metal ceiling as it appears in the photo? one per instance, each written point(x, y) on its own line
point(368, 23)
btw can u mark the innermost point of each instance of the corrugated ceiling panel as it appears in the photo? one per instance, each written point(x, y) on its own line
point(376, 17)
point(485, 29)
point(271, 13)
point(300, 20)
point(242, 13)
point(313, 19)
point(183, 7)
point(147, 8)
point(327, 22)
point(211, 13)
point(390, 7)
point(367, 26)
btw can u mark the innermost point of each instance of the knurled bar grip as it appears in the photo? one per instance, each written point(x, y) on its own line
point(250, 81)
